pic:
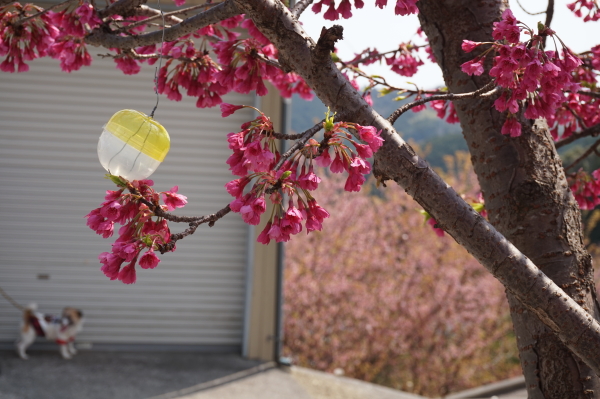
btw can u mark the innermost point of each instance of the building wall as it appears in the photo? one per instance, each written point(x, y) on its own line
point(51, 178)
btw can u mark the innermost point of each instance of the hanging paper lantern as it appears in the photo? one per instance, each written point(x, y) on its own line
point(132, 145)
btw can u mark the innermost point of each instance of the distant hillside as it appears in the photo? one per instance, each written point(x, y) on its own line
point(424, 128)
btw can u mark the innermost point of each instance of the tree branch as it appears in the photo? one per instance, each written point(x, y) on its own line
point(152, 14)
point(21, 21)
point(586, 154)
point(120, 7)
point(210, 219)
point(305, 136)
point(549, 15)
point(590, 131)
point(100, 37)
point(397, 161)
point(527, 12)
point(300, 7)
point(482, 92)
point(589, 93)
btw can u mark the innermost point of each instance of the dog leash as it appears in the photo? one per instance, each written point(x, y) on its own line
point(12, 301)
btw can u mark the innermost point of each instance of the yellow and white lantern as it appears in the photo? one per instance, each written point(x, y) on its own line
point(132, 145)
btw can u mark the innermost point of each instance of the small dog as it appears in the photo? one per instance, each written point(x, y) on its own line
point(61, 329)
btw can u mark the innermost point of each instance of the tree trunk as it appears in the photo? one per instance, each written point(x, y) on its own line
point(527, 198)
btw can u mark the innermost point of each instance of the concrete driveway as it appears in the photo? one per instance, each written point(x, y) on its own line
point(184, 375)
point(167, 375)
point(110, 375)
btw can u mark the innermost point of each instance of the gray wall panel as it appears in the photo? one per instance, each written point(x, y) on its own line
point(50, 178)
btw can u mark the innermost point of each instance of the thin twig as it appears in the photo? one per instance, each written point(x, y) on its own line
point(305, 136)
point(119, 7)
point(549, 15)
point(39, 14)
point(266, 60)
point(589, 93)
point(210, 219)
point(450, 96)
point(300, 7)
point(586, 154)
point(283, 136)
point(218, 13)
point(590, 131)
point(527, 12)
point(193, 221)
point(167, 15)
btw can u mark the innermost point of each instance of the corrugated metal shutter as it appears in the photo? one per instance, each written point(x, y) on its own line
point(50, 178)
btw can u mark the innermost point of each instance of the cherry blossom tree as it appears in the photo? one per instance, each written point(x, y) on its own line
point(379, 313)
point(518, 92)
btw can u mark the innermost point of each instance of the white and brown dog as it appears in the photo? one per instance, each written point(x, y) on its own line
point(61, 329)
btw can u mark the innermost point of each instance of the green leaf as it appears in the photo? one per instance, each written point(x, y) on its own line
point(118, 180)
point(285, 174)
point(541, 27)
point(425, 213)
point(328, 120)
point(478, 206)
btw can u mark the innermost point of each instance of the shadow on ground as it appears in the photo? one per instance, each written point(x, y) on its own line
point(110, 375)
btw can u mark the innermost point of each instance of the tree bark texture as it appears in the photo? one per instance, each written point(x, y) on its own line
point(527, 198)
point(397, 161)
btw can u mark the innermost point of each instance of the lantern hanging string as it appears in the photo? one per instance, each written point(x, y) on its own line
point(160, 57)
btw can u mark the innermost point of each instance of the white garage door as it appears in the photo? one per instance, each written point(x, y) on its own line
point(50, 178)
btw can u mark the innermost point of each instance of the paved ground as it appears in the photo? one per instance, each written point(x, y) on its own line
point(291, 383)
point(177, 375)
point(110, 375)
point(168, 375)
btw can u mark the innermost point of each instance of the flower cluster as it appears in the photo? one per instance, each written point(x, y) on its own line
point(530, 76)
point(404, 62)
point(586, 188)
point(138, 232)
point(57, 34)
point(444, 110)
point(579, 6)
point(245, 66)
point(196, 73)
point(255, 156)
point(344, 8)
point(69, 45)
point(25, 41)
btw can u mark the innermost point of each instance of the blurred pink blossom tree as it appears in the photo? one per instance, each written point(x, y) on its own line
point(380, 296)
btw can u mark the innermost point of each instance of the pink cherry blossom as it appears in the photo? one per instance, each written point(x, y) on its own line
point(149, 260)
point(264, 237)
point(252, 209)
point(511, 127)
point(127, 274)
point(438, 231)
point(473, 67)
point(228, 109)
point(507, 28)
point(309, 181)
point(111, 264)
point(468, 45)
point(173, 200)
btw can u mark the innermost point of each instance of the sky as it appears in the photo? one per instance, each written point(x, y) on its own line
point(371, 25)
